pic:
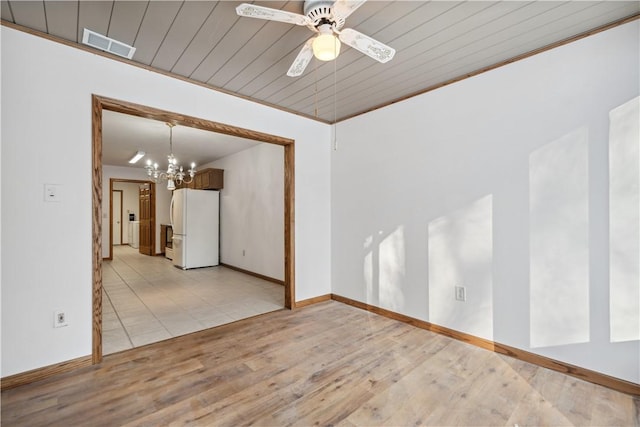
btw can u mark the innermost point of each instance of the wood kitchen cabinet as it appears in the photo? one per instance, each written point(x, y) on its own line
point(209, 179)
point(189, 185)
point(206, 179)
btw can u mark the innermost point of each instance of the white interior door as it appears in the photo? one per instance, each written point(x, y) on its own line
point(116, 214)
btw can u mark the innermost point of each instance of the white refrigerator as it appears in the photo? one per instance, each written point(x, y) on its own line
point(195, 219)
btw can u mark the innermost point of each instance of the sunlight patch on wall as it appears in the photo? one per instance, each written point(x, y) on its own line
point(392, 270)
point(461, 254)
point(624, 220)
point(559, 241)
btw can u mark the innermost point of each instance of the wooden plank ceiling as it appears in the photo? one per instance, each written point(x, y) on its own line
point(436, 41)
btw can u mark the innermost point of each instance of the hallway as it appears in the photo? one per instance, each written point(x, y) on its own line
point(146, 299)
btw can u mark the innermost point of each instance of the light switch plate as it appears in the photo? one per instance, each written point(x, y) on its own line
point(52, 193)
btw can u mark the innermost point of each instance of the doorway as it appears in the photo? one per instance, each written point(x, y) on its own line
point(125, 222)
point(101, 103)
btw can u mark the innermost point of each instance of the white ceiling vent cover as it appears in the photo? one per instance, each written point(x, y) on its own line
point(93, 39)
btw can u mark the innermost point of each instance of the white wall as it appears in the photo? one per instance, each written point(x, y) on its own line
point(252, 210)
point(46, 123)
point(498, 183)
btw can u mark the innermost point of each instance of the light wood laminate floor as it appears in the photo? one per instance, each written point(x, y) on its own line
point(146, 299)
point(326, 364)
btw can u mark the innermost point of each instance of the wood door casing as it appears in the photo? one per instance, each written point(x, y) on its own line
point(112, 182)
point(100, 103)
point(147, 226)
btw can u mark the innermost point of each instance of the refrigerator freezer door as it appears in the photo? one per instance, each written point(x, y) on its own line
point(177, 214)
point(179, 247)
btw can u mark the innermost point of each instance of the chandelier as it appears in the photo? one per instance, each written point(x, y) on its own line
point(175, 173)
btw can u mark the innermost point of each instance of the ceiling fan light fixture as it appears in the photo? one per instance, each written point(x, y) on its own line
point(326, 18)
point(326, 46)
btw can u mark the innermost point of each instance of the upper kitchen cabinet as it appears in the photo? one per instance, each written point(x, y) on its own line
point(209, 179)
point(206, 179)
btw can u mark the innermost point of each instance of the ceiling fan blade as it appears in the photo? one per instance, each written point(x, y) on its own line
point(302, 60)
point(343, 8)
point(365, 44)
point(260, 12)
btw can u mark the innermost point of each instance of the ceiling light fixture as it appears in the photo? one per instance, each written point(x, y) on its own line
point(136, 157)
point(174, 174)
point(326, 46)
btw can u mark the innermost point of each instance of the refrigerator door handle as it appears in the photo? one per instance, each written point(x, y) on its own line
point(171, 212)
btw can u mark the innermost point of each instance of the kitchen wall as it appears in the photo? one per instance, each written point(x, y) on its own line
point(252, 210)
point(46, 122)
point(500, 184)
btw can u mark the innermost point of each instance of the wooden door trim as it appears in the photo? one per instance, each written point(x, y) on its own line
point(100, 103)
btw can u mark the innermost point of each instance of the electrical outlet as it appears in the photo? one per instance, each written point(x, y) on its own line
point(243, 252)
point(461, 293)
point(59, 319)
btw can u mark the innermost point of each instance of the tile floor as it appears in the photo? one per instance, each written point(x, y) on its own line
point(146, 299)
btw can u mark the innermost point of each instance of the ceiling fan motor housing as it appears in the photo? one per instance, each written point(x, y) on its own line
point(320, 12)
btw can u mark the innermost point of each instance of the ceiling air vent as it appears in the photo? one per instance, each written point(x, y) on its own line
point(93, 39)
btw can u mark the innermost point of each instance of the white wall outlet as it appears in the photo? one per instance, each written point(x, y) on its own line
point(59, 319)
point(52, 193)
point(243, 252)
point(461, 293)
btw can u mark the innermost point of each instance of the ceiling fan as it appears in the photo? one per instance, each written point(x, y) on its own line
point(326, 18)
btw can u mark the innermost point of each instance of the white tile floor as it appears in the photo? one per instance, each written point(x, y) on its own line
point(146, 299)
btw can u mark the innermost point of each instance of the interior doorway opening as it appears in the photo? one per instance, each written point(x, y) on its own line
point(98, 105)
point(117, 232)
